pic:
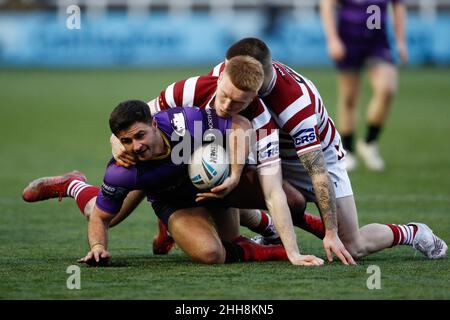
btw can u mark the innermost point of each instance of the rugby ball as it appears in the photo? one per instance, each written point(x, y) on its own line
point(209, 166)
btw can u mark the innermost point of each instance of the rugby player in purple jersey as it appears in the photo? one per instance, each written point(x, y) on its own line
point(356, 37)
point(205, 231)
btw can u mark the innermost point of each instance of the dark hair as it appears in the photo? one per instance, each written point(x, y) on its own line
point(127, 113)
point(252, 47)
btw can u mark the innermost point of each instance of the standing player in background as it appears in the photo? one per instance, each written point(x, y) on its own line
point(356, 37)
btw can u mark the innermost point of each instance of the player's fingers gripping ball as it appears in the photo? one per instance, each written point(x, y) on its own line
point(209, 166)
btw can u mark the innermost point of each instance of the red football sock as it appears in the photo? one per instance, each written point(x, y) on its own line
point(263, 223)
point(82, 192)
point(265, 227)
point(403, 233)
point(257, 252)
point(313, 224)
point(162, 242)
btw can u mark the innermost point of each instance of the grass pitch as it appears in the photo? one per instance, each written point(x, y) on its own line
point(55, 121)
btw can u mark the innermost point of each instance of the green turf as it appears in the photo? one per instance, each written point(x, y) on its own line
point(55, 121)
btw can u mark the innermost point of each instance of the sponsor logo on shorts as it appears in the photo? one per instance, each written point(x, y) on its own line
point(108, 190)
point(117, 193)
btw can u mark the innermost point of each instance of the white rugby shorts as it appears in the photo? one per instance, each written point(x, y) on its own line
point(296, 174)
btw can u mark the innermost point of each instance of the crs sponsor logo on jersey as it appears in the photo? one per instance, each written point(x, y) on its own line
point(305, 137)
point(178, 122)
point(271, 150)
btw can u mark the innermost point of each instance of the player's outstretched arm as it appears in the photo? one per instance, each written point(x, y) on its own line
point(314, 163)
point(98, 226)
point(276, 202)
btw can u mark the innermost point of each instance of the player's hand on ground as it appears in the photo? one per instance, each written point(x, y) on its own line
point(98, 256)
point(306, 260)
point(122, 157)
point(333, 244)
point(220, 191)
point(336, 49)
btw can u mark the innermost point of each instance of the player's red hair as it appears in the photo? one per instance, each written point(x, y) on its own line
point(245, 72)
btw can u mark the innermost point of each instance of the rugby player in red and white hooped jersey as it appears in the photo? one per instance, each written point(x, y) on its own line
point(309, 135)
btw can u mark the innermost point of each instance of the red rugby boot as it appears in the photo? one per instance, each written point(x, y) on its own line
point(51, 187)
point(162, 242)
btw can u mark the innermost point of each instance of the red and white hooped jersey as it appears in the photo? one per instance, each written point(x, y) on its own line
point(201, 91)
point(298, 109)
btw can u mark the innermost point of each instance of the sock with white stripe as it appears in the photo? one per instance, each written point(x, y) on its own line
point(265, 226)
point(403, 234)
point(82, 192)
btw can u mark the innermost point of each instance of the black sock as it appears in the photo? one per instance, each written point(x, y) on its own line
point(372, 133)
point(233, 252)
point(347, 142)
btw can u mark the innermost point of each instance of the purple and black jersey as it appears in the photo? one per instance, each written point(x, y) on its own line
point(162, 179)
point(363, 42)
point(354, 14)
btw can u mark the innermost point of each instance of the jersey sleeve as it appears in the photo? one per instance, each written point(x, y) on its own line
point(191, 92)
point(294, 100)
point(217, 70)
point(301, 122)
point(117, 183)
point(267, 148)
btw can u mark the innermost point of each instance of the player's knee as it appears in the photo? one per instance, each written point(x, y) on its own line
point(349, 101)
point(386, 91)
point(211, 255)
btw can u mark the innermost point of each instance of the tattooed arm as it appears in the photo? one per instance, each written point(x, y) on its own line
point(314, 163)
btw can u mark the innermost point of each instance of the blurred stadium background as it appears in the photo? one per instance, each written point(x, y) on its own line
point(189, 32)
point(58, 85)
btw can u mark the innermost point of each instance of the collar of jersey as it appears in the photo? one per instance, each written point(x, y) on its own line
point(169, 148)
point(270, 86)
